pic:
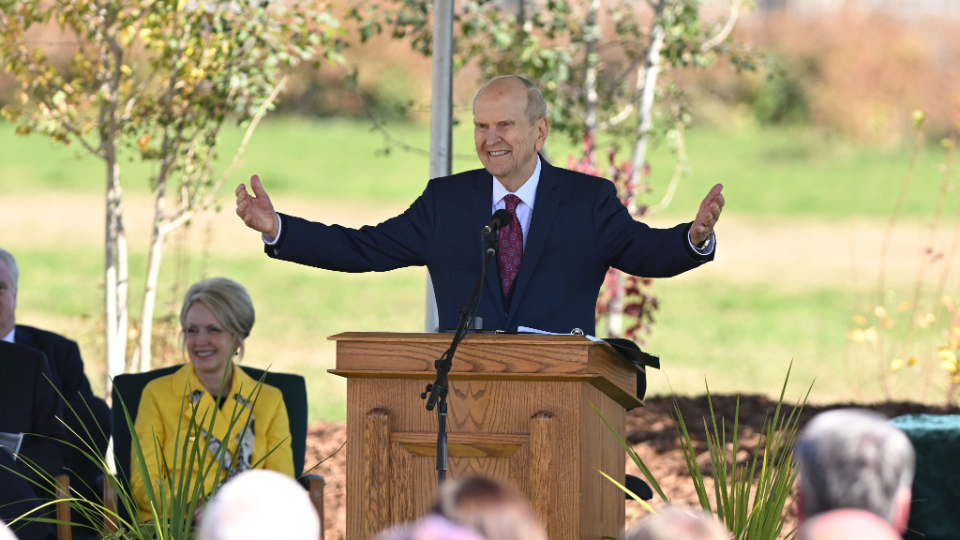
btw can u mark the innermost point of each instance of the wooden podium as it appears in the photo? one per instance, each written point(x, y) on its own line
point(519, 411)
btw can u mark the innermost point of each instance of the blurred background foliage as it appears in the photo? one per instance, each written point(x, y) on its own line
point(812, 148)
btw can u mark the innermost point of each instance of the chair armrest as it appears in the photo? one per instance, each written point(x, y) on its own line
point(109, 503)
point(64, 532)
point(314, 485)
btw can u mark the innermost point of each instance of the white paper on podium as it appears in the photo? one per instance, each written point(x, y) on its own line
point(11, 443)
point(528, 330)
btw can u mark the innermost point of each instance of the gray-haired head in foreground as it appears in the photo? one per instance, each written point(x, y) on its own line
point(674, 523)
point(260, 505)
point(11, 263)
point(850, 458)
point(536, 106)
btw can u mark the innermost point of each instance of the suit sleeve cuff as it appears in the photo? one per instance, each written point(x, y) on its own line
point(273, 241)
point(273, 248)
point(706, 249)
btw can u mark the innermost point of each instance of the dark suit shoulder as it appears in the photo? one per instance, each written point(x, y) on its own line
point(456, 183)
point(66, 363)
point(18, 355)
point(42, 338)
point(577, 185)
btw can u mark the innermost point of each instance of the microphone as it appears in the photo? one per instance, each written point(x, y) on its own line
point(501, 218)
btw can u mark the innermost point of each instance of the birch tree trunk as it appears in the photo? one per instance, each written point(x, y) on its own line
point(142, 355)
point(591, 35)
point(113, 355)
point(645, 103)
point(646, 85)
point(116, 272)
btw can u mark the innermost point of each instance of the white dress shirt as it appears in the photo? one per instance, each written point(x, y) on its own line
point(527, 195)
point(9, 337)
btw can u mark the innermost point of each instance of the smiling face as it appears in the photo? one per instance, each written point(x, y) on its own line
point(8, 300)
point(506, 140)
point(209, 344)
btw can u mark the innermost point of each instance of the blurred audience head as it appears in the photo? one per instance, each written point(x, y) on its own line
point(5, 532)
point(9, 276)
point(850, 458)
point(260, 505)
point(431, 527)
point(494, 510)
point(847, 524)
point(674, 523)
point(229, 303)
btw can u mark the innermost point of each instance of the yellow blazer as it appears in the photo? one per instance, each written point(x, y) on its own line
point(160, 413)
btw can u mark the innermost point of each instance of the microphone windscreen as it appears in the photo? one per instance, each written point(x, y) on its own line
point(503, 217)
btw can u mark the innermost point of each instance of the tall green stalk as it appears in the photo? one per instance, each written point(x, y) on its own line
point(752, 504)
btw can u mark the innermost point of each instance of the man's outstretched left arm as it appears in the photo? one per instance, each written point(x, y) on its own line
point(635, 248)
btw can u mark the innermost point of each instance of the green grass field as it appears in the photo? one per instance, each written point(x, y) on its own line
point(766, 172)
point(738, 334)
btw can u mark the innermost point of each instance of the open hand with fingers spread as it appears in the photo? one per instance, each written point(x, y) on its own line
point(257, 212)
point(707, 216)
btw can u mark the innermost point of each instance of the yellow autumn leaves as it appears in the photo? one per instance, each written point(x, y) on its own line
point(948, 360)
point(948, 355)
point(869, 334)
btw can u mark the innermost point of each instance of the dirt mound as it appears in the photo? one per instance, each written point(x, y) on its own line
point(650, 430)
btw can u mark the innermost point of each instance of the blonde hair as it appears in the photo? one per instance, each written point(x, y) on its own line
point(229, 302)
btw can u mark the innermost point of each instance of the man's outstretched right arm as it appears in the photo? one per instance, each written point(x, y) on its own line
point(398, 242)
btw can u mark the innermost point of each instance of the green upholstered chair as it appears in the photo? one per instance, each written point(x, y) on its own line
point(294, 390)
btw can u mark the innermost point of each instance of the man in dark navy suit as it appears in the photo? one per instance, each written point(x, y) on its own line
point(28, 404)
point(86, 416)
point(566, 230)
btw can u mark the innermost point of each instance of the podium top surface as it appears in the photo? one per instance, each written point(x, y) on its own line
point(488, 356)
point(514, 339)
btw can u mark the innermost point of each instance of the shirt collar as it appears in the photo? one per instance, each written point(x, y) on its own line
point(527, 192)
point(9, 337)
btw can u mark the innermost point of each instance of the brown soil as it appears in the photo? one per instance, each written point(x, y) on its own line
point(650, 430)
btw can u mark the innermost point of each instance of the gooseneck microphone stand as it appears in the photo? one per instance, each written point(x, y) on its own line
point(436, 393)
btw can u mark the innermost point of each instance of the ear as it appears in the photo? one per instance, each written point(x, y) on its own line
point(801, 507)
point(901, 510)
point(541, 130)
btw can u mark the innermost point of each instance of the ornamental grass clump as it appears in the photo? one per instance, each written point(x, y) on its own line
point(173, 500)
point(751, 499)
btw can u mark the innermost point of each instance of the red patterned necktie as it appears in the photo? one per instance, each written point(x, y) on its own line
point(511, 246)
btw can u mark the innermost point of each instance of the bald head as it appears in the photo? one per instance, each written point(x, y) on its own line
point(260, 505)
point(520, 89)
point(847, 524)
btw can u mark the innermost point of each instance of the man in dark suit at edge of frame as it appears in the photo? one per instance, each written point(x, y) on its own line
point(566, 230)
point(29, 404)
point(87, 417)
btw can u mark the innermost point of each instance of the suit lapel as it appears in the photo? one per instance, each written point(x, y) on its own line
point(548, 199)
point(482, 210)
point(5, 393)
point(20, 337)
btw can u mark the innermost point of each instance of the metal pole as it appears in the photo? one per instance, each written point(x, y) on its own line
point(441, 118)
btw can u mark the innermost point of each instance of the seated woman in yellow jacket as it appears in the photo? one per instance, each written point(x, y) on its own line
point(215, 319)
